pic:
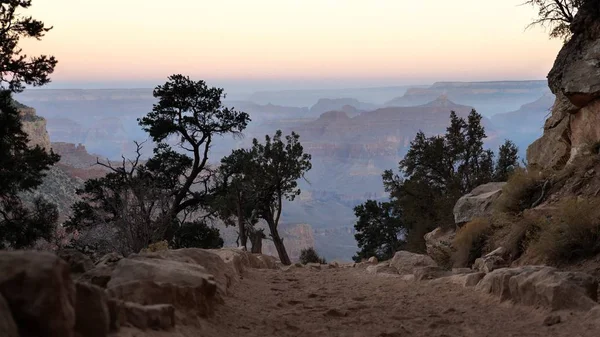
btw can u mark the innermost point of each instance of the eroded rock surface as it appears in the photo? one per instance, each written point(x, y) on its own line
point(477, 204)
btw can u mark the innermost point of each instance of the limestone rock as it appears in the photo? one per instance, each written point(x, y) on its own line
point(478, 203)
point(542, 286)
point(464, 280)
point(315, 266)
point(78, 262)
point(147, 281)
point(156, 317)
point(214, 264)
point(439, 245)
point(7, 323)
point(91, 311)
point(406, 262)
point(333, 265)
point(491, 261)
point(575, 80)
point(373, 260)
point(430, 273)
point(99, 276)
point(382, 268)
point(110, 259)
point(38, 288)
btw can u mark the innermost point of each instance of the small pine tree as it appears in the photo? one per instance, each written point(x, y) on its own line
point(310, 255)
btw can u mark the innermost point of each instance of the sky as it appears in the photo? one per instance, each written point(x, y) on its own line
point(291, 43)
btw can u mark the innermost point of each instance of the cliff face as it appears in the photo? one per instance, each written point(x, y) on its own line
point(574, 126)
point(35, 127)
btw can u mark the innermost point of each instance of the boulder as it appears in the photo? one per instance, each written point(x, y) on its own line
point(78, 262)
point(213, 263)
point(491, 261)
point(92, 317)
point(7, 323)
point(156, 317)
point(152, 280)
point(116, 313)
point(315, 266)
point(373, 260)
point(430, 273)
point(40, 293)
point(382, 268)
point(477, 204)
point(99, 276)
point(439, 245)
point(542, 286)
point(266, 261)
point(110, 260)
point(406, 262)
point(464, 280)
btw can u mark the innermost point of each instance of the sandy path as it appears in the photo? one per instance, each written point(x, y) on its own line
point(348, 302)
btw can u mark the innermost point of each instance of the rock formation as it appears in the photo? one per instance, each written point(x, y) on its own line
point(44, 295)
point(35, 127)
point(572, 129)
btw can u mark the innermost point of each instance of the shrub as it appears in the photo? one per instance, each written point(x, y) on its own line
point(470, 241)
point(524, 189)
point(570, 232)
point(197, 234)
point(156, 247)
point(309, 255)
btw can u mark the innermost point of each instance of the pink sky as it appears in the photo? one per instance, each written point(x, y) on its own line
point(377, 40)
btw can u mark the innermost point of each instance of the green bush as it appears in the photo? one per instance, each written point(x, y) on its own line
point(197, 234)
point(309, 255)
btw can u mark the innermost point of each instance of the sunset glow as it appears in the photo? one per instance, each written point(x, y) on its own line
point(411, 41)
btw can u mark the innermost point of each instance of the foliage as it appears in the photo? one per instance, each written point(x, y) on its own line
point(469, 242)
point(379, 231)
point(570, 232)
point(524, 188)
point(148, 202)
point(235, 204)
point(197, 234)
point(437, 171)
point(156, 247)
point(557, 15)
point(310, 255)
point(275, 168)
point(23, 168)
point(16, 68)
point(508, 161)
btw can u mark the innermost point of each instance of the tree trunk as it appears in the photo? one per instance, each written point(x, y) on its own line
point(257, 243)
point(241, 227)
point(278, 241)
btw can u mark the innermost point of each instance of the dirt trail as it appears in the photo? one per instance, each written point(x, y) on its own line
point(350, 303)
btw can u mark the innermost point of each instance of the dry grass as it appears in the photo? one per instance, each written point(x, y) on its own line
point(156, 247)
point(571, 232)
point(523, 189)
point(470, 241)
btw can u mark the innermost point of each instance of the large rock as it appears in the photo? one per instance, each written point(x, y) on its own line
point(430, 273)
point(78, 262)
point(40, 293)
point(491, 261)
point(7, 323)
point(477, 204)
point(406, 262)
point(575, 80)
point(439, 245)
point(381, 268)
point(91, 308)
point(156, 317)
point(542, 286)
point(210, 260)
point(152, 280)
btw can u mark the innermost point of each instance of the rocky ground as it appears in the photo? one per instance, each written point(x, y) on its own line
point(350, 302)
